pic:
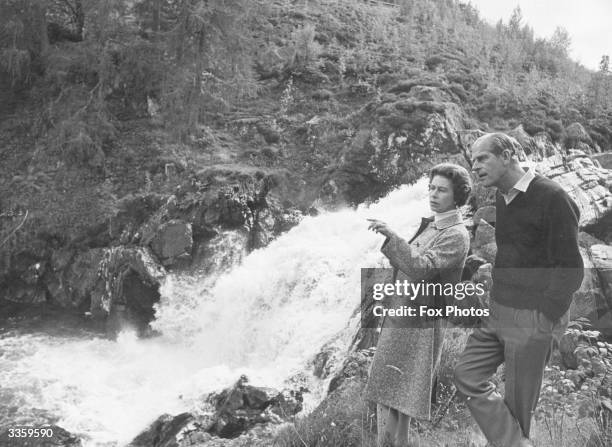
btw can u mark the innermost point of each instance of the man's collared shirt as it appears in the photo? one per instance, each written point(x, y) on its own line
point(520, 186)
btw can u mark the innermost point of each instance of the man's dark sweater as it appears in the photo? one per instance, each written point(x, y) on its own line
point(538, 263)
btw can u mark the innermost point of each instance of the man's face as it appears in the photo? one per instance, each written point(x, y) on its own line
point(488, 167)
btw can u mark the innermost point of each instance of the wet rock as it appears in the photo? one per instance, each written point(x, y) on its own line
point(131, 279)
point(325, 360)
point(263, 228)
point(221, 252)
point(287, 219)
point(118, 285)
point(239, 408)
point(172, 431)
point(73, 287)
point(173, 242)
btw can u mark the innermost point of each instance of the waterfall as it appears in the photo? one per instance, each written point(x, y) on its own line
point(266, 317)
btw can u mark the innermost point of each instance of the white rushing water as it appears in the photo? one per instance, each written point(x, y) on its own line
point(266, 318)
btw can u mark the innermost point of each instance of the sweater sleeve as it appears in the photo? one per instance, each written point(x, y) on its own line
point(563, 254)
point(448, 251)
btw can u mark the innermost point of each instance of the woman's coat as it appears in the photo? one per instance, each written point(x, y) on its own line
point(406, 359)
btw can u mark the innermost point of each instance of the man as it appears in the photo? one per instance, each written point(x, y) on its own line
point(537, 269)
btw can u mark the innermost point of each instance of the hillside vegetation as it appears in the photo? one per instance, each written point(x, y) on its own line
point(107, 99)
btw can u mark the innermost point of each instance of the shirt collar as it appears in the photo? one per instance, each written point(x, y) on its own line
point(447, 219)
point(520, 186)
point(524, 181)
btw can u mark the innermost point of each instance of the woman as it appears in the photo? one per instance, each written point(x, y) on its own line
point(406, 359)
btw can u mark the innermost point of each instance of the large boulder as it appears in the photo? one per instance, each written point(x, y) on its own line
point(584, 182)
point(240, 407)
point(415, 125)
point(132, 278)
point(233, 414)
point(73, 278)
point(172, 431)
point(173, 242)
point(117, 286)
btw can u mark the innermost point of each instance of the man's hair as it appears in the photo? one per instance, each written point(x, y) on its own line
point(500, 142)
point(459, 177)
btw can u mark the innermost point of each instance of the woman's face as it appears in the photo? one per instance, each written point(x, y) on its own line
point(441, 197)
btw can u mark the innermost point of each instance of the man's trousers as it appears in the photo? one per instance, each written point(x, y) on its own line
point(521, 338)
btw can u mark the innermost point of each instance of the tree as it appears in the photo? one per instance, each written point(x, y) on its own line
point(561, 41)
point(23, 39)
point(604, 65)
point(515, 24)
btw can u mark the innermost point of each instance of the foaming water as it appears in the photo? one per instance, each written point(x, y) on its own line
point(266, 318)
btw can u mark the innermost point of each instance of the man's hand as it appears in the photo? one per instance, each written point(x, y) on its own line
point(380, 227)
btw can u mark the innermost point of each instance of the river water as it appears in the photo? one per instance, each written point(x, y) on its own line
point(266, 317)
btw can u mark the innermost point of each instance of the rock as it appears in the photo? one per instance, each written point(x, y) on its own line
point(239, 408)
point(472, 264)
point(486, 213)
point(118, 285)
point(588, 301)
point(484, 244)
point(576, 376)
point(325, 359)
point(131, 279)
point(167, 431)
point(322, 95)
point(72, 287)
point(605, 159)
point(601, 256)
point(173, 241)
point(223, 251)
point(481, 196)
point(602, 261)
point(270, 135)
point(289, 218)
point(583, 183)
point(577, 134)
point(528, 144)
point(414, 124)
point(355, 368)
point(263, 228)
